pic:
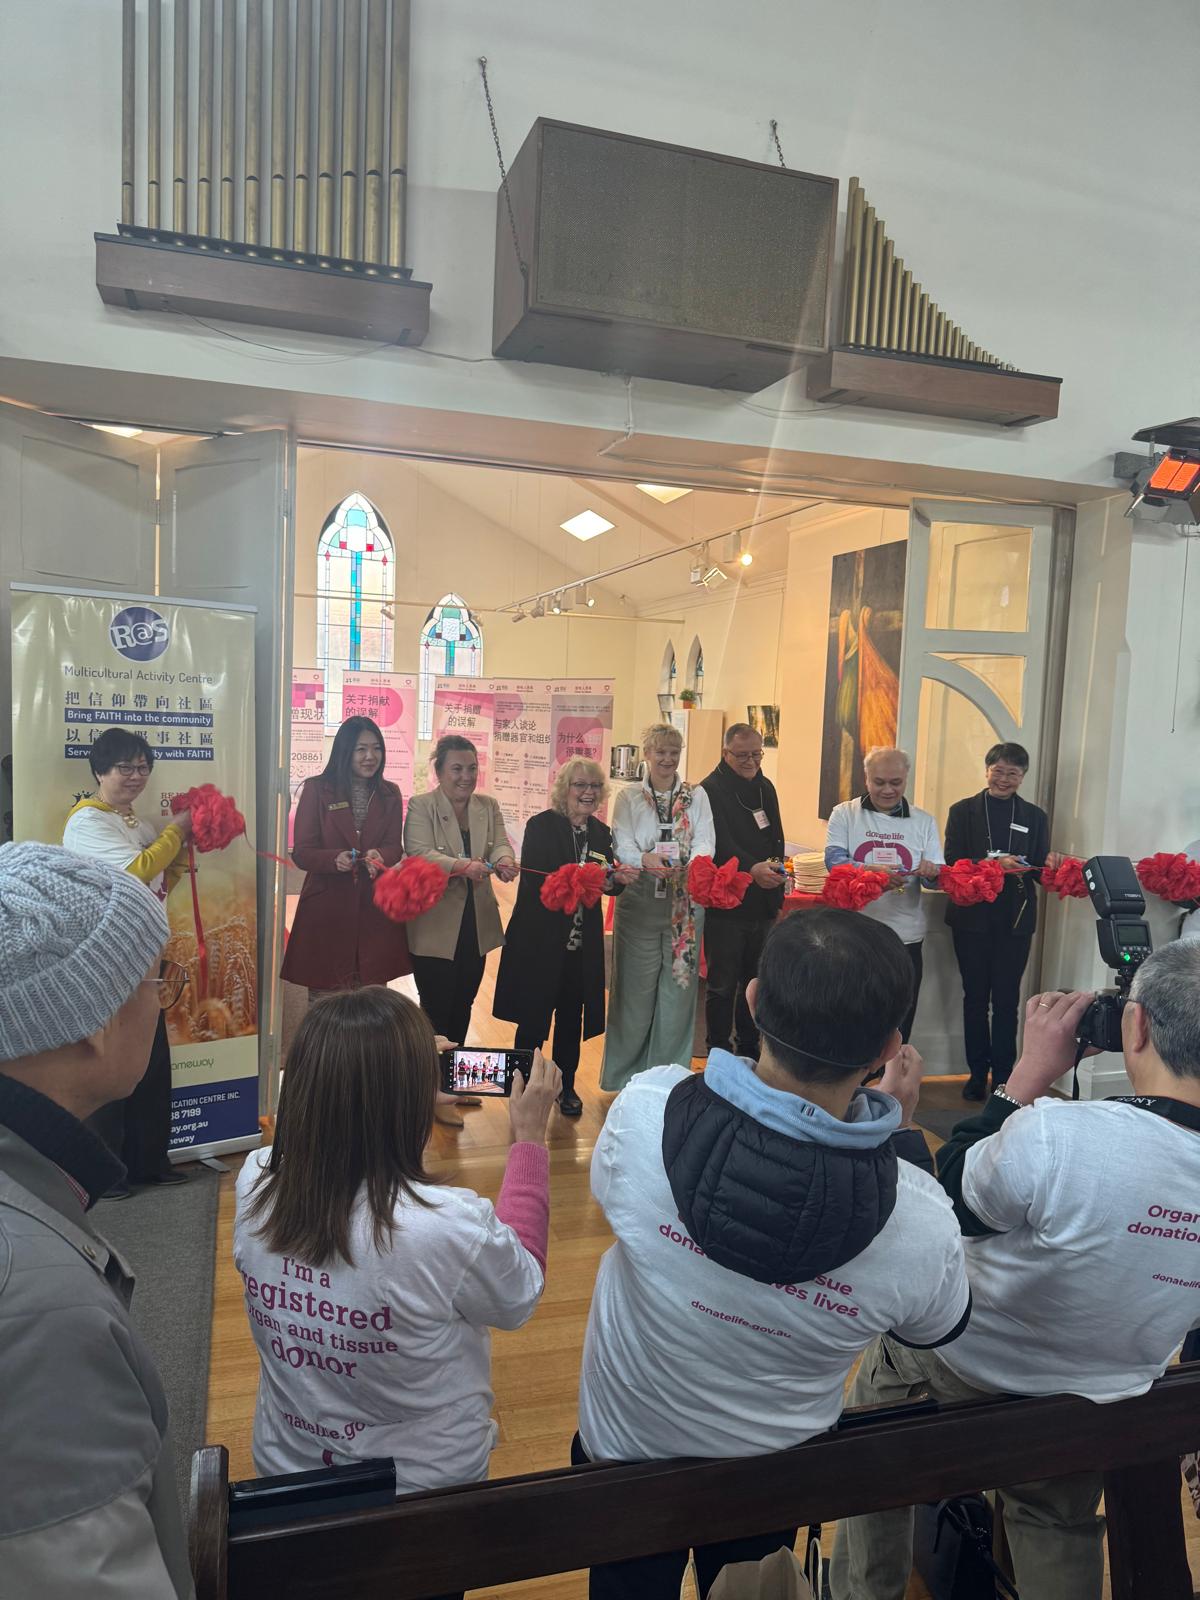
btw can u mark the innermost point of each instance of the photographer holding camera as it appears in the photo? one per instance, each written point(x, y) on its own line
point(1080, 1241)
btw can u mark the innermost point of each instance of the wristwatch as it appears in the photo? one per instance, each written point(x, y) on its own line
point(1002, 1094)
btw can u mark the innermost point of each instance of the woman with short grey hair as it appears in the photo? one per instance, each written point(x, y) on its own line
point(552, 969)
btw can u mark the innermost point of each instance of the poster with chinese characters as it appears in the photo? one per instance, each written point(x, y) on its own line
point(528, 728)
point(390, 700)
point(466, 706)
point(182, 676)
point(307, 749)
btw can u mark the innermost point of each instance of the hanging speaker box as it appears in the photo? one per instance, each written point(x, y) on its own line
point(659, 261)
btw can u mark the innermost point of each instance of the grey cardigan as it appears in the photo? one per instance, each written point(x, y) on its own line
point(89, 1504)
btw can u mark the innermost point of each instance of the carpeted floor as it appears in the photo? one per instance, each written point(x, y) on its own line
point(169, 1238)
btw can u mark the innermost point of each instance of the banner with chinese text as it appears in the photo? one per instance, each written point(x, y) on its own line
point(182, 676)
point(524, 729)
point(307, 747)
point(390, 700)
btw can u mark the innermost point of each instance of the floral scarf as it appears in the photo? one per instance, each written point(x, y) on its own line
point(684, 945)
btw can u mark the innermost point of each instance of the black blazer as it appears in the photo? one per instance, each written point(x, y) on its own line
point(1015, 912)
point(535, 944)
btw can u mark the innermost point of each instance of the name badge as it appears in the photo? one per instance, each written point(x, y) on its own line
point(339, 805)
point(762, 819)
point(885, 855)
point(1018, 827)
point(668, 849)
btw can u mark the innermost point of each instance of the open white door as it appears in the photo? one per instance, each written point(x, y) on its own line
point(976, 642)
point(226, 538)
point(77, 509)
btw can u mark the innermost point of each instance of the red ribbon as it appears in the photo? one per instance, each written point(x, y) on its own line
point(201, 942)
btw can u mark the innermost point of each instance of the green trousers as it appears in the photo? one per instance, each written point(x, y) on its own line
point(651, 1018)
point(1054, 1533)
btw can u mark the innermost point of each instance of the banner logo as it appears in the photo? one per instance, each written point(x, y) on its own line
point(139, 634)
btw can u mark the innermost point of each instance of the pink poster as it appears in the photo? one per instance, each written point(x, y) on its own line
point(307, 756)
point(521, 745)
point(581, 720)
point(390, 700)
point(466, 706)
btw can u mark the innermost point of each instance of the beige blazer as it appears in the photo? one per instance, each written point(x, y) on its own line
point(431, 830)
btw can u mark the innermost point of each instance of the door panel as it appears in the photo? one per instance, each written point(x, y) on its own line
point(76, 507)
point(226, 536)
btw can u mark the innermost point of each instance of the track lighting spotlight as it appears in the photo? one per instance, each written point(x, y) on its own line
point(556, 605)
point(538, 609)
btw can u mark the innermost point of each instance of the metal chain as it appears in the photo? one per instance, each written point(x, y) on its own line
point(778, 146)
point(512, 221)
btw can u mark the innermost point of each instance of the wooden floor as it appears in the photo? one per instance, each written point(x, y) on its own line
point(535, 1370)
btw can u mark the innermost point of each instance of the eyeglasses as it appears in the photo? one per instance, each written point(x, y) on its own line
point(172, 980)
point(141, 770)
point(582, 786)
point(747, 755)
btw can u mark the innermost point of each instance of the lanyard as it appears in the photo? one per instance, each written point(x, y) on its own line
point(1187, 1116)
point(658, 810)
point(987, 818)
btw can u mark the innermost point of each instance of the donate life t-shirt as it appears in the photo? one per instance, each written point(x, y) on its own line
point(390, 1357)
point(1095, 1280)
point(893, 844)
point(687, 1358)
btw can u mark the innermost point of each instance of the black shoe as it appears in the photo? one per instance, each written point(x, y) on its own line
point(974, 1091)
point(169, 1175)
point(119, 1191)
point(570, 1104)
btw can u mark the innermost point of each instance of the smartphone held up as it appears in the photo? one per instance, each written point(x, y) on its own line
point(483, 1072)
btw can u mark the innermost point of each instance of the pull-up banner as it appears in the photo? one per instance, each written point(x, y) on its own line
point(524, 730)
point(182, 676)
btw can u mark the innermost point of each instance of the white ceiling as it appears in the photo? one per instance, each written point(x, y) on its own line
point(533, 505)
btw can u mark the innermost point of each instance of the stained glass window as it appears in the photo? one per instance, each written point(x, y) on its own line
point(451, 646)
point(356, 578)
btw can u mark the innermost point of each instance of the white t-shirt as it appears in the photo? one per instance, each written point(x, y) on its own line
point(1095, 1279)
point(105, 836)
point(687, 1358)
point(390, 1357)
point(895, 844)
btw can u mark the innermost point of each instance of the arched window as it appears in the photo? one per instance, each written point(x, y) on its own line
point(451, 646)
point(356, 578)
point(666, 681)
point(695, 671)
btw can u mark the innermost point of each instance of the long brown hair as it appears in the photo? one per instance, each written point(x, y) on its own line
point(359, 1088)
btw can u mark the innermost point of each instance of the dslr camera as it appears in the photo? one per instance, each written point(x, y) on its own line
point(1124, 939)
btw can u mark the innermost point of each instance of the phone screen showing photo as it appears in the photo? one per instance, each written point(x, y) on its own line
point(477, 1072)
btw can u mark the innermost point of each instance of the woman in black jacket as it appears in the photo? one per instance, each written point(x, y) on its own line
point(992, 942)
point(553, 964)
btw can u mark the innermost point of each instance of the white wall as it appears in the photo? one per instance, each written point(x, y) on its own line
point(443, 545)
point(1023, 168)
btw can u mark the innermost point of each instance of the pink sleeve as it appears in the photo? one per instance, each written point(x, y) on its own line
point(524, 1202)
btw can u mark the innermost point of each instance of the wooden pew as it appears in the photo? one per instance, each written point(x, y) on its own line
point(514, 1529)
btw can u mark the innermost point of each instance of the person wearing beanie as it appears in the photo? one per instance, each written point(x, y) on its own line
point(90, 1505)
point(745, 810)
point(105, 827)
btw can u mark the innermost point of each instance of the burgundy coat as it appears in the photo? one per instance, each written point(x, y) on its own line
point(337, 931)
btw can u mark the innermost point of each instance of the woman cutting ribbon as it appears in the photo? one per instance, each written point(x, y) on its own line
point(657, 928)
point(106, 828)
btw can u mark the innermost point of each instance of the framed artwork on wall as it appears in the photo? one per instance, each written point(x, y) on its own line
point(862, 665)
point(765, 720)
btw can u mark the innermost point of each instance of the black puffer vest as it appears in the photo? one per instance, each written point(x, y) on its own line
point(773, 1208)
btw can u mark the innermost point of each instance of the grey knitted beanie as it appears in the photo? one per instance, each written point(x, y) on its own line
point(76, 939)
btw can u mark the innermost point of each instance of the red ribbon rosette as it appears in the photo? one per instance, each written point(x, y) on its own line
point(716, 888)
point(216, 820)
point(850, 887)
point(1171, 877)
point(572, 886)
point(1066, 881)
point(411, 889)
point(970, 883)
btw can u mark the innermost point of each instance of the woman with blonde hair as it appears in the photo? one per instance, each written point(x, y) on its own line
point(370, 1287)
point(553, 964)
point(657, 929)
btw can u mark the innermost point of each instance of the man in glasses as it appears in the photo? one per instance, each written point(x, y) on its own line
point(745, 809)
point(90, 1504)
point(105, 827)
